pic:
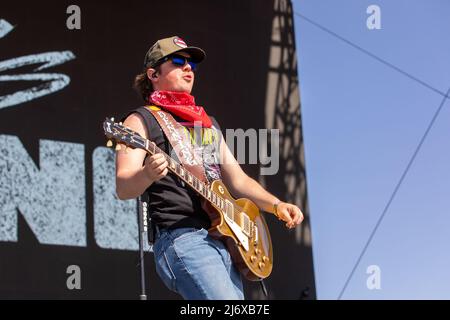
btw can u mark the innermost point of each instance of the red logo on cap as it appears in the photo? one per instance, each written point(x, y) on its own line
point(179, 42)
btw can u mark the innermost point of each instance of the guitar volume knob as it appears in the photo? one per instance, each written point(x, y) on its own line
point(261, 265)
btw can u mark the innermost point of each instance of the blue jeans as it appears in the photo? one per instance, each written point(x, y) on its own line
point(196, 266)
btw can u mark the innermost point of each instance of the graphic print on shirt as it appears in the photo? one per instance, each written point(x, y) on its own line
point(205, 142)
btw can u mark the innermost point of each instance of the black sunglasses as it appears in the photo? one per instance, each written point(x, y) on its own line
point(179, 60)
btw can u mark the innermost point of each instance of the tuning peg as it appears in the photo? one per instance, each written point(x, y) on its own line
point(118, 147)
point(109, 144)
point(112, 119)
point(120, 123)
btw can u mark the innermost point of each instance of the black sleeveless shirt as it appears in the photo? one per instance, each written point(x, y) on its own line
point(173, 204)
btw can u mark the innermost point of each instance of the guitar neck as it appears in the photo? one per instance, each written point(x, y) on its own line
point(176, 168)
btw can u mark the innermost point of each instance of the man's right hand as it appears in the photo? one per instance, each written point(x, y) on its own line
point(155, 167)
point(135, 169)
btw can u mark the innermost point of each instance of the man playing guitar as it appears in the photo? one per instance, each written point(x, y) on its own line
point(188, 260)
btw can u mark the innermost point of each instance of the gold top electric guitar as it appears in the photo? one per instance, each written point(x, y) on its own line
point(237, 222)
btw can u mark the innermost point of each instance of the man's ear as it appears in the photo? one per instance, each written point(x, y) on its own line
point(152, 74)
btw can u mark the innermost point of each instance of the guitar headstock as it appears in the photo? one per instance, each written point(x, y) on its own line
point(116, 131)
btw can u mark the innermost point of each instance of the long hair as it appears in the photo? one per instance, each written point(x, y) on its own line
point(143, 85)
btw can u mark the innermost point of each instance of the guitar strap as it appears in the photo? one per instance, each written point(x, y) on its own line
point(177, 137)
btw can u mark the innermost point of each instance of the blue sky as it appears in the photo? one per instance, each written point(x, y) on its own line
point(363, 122)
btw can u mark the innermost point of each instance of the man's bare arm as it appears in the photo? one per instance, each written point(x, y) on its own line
point(241, 185)
point(132, 177)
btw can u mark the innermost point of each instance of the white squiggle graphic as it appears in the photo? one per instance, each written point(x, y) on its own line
point(48, 59)
point(5, 28)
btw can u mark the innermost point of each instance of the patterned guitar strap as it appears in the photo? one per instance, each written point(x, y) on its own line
point(177, 137)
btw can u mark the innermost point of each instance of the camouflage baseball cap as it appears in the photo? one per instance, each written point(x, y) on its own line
point(164, 47)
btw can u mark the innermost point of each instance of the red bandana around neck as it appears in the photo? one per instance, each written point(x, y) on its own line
point(181, 104)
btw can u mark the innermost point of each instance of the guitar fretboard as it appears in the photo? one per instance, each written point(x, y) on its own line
point(195, 183)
